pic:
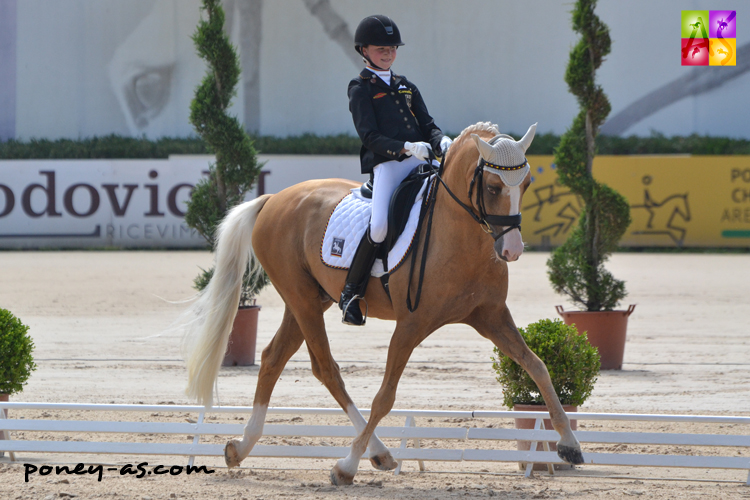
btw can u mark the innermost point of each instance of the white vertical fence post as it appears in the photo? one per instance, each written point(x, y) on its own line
point(538, 424)
point(6, 435)
point(410, 422)
point(196, 437)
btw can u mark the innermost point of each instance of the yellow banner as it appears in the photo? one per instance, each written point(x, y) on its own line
point(675, 201)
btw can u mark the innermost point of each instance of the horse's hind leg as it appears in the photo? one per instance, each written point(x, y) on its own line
point(284, 344)
point(503, 333)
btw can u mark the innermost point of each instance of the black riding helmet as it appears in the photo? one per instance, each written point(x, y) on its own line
point(377, 30)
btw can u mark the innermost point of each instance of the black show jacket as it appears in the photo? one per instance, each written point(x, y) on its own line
point(387, 116)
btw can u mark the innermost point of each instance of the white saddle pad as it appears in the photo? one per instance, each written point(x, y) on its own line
point(348, 224)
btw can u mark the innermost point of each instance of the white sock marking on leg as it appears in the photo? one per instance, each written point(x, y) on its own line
point(253, 430)
point(358, 421)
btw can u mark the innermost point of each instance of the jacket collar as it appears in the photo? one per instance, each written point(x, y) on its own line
point(366, 74)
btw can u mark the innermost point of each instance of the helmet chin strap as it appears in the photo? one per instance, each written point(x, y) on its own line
point(374, 66)
point(369, 61)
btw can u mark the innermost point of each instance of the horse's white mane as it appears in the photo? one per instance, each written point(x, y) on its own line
point(479, 127)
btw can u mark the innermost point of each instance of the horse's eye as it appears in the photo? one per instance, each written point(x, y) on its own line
point(492, 191)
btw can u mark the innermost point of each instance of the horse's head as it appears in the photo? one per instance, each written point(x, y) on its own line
point(501, 178)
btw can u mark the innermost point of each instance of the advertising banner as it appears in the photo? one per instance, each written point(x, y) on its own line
point(97, 203)
point(675, 201)
point(127, 203)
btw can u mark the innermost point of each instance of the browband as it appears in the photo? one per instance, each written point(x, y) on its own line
point(485, 163)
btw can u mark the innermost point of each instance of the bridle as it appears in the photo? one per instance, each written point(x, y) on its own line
point(485, 220)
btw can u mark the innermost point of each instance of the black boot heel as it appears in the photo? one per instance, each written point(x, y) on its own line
point(353, 313)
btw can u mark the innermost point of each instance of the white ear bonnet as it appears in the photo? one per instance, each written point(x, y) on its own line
point(506, 157)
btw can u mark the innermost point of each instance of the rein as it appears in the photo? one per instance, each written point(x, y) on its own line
point(483, 219)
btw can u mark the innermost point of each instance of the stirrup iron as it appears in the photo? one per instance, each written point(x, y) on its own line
point(351, 302)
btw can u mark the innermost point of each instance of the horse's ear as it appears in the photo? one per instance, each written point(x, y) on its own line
point(526, 139)
point(484, 149)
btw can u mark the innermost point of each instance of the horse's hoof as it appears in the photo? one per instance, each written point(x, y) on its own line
point(340, 478)
point(570, 454)
point(231, 457)
point(384, 461)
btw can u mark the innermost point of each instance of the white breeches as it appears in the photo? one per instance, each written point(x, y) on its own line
point(386, 178)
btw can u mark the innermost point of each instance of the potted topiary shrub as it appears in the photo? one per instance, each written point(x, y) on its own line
point(576, 268)
point(573, 365)
point(16, 361)
point(234, 173)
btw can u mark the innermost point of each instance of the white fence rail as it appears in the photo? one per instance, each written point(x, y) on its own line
point(468, 451)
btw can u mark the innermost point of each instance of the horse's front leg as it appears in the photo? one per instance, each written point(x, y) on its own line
point(502, 331)
point(405, 339)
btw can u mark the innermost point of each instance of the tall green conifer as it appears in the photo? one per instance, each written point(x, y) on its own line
point(236, 167)
point(576, 268)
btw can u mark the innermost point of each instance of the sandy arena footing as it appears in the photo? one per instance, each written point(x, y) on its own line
point(100, 322)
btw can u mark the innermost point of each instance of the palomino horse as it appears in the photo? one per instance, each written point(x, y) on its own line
point(466, 281)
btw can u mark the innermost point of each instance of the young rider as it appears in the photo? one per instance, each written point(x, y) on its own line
point(396, 132)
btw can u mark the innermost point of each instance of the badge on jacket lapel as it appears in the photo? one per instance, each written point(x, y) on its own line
point(404, 91)
point(378, 96)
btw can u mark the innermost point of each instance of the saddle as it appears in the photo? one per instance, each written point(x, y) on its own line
point(351, 217)
point(401, 202)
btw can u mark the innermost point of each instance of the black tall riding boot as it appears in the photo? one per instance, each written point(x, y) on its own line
point(356, 281)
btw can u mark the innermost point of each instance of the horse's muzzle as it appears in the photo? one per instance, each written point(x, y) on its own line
point(509, 246)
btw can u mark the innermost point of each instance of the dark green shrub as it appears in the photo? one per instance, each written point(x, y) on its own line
point(572, 362)
point(16, 361)
point(105, 147)
point(576, 268)
point(236, 167)
point(309, 144)
point(118, 147)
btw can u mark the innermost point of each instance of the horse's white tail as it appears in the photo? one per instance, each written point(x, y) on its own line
point(209, 319)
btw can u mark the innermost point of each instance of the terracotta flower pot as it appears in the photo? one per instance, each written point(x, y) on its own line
point(241, 348)
point(606, 330)
point(528, 423)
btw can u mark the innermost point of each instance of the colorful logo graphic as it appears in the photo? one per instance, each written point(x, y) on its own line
point(709, 37)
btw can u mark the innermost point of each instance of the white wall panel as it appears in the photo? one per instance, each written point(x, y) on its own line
point(81, 62)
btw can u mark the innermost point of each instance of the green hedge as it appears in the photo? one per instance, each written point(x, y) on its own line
point(656, 144)
point(114, 146)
